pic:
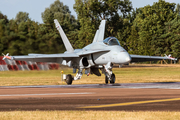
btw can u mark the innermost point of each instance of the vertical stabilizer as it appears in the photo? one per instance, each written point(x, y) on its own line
point(96, 36)
point(99, 36)
point(66, 42)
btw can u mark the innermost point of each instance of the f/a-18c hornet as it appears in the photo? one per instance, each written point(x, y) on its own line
point(101, 54)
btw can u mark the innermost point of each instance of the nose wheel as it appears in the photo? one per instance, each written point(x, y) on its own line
point(112, 79)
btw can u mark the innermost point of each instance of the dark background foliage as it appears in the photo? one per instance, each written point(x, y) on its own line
point(150, 30)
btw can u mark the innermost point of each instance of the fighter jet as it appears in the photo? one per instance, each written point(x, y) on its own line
point(98, 56)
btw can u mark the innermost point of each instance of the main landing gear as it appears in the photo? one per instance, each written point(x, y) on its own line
point(107, 70)
point(69, 79)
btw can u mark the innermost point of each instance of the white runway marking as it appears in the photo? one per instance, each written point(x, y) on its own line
point(46, 94)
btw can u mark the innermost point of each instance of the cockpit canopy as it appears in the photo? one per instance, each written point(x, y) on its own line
point(111, 41)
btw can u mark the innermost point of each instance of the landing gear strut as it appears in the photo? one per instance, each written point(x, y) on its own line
point(106, 80)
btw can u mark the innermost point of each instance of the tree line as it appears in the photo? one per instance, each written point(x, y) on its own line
point(150, 30)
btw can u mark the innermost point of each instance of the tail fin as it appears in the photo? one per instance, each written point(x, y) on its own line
point(66, 42)
point(99, 36)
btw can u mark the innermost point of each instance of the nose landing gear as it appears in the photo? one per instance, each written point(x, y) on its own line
point(112, 79)
point(109, 76)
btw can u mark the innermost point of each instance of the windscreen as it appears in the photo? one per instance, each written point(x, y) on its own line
point(111, 41)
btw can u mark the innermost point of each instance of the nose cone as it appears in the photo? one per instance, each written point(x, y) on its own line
point(128, 58)
point(124, 58)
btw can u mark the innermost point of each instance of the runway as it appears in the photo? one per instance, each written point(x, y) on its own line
point(157, 85)
point(122, 97)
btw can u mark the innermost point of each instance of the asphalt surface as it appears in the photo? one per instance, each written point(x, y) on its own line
point(122, 97)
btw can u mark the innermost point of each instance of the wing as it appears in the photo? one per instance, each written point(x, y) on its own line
point(44, 57)
point(143, 58)
point(52, 57)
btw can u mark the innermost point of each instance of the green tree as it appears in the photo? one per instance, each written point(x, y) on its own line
point(178, 9)
point(149, 26)
point(19, 38)
point(22, 17)
point(91, 12)
point(172, 37)
point(3, 26)
point(127, 32)
point(50, 40)
point(21, 35)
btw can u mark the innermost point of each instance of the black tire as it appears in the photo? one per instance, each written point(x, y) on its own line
point(113, 78)
point(106, 80)
point(69, 79)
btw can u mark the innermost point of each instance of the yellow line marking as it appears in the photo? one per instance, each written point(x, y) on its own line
point(131, 103)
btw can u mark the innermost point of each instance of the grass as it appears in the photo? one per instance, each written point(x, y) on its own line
point(123, 75)
point(88, 115)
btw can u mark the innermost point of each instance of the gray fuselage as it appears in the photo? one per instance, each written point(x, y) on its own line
point(114, 54)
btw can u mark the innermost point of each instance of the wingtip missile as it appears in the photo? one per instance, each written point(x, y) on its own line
point(169, 56)
point(6, 56)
